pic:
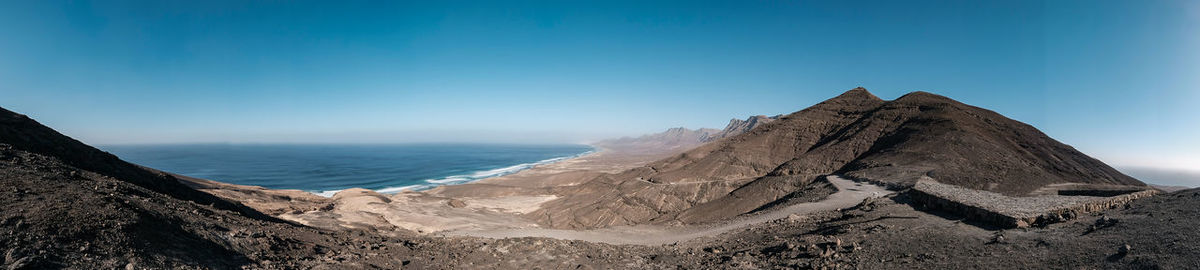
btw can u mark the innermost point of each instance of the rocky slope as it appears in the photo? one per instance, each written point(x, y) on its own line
point(67, 204)
point(855, 134)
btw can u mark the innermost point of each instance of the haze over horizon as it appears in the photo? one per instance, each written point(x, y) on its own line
point(1115, 79)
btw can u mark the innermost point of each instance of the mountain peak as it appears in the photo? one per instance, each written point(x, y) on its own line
point(855, 99)
point(924, 97)
point(858, 93)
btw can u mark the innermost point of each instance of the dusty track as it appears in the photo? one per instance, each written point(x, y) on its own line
point(849, 194)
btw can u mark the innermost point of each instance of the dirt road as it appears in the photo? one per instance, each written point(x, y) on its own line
point(849, 194)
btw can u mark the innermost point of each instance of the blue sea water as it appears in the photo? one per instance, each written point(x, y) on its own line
point(325, 169)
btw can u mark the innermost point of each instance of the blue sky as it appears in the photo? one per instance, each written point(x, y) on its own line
point(1117, 79)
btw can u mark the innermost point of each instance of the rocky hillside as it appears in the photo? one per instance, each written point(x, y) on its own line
point(20, 133)
point(855, 134)
point(69, 205)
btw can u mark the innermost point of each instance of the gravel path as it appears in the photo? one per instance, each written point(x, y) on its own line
point(849, 193)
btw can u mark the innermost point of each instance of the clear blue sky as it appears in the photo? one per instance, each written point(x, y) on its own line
point(1117, 79)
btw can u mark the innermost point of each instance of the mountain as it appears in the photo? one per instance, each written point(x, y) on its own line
point(919, 135)
point(671, 140)
point(681, 139)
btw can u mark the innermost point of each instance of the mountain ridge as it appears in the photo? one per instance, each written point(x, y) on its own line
point(856, 134)
point(681, 138)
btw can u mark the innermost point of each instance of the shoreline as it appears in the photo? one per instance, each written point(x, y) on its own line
point(486, 203)
point(461, 179)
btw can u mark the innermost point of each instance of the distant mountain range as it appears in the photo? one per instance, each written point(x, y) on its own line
point(763, 161)
point(738, 126)
point(680, 138)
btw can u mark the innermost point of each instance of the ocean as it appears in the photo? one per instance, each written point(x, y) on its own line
point(326, 169)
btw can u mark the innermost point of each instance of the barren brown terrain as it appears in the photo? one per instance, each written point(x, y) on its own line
point(828, 187)
point(855, 134)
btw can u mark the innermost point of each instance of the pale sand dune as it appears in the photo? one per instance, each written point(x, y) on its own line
point(849, 193)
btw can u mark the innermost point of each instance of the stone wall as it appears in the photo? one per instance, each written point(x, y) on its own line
point(971, 212)
point(1013, 212)
point(1070, 212)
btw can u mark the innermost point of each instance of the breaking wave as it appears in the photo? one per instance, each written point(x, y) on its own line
point(464, 178)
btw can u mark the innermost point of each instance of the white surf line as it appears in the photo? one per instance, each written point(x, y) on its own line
point(849, 194)
point(464, 178)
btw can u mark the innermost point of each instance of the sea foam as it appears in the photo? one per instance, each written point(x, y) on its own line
point(465, 178)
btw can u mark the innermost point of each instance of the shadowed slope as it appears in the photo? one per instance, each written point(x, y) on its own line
point(24, 134)
point(66, 204)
